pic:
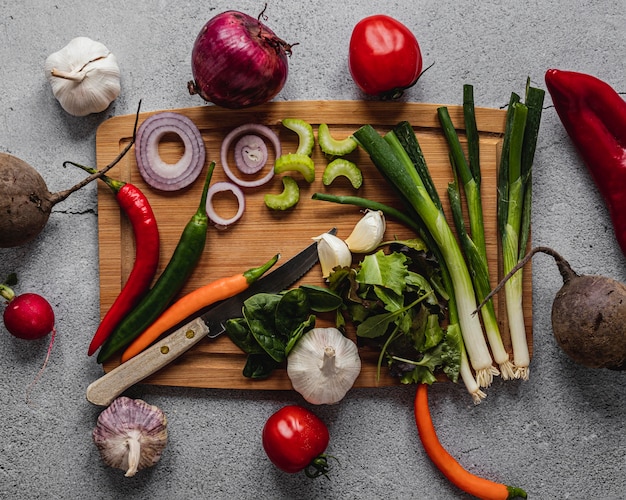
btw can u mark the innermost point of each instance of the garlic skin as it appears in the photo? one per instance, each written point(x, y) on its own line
point(368, 233)
point(131, 435)
point(84, 76)
point(332, 252)
point(323, 366)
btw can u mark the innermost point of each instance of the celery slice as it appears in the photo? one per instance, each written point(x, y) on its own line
point(331, 146)
point(306, 138)
point(296, 162)
point(287, 199)
point(342, 167)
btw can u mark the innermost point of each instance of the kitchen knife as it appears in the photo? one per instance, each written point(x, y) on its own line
point(210, 324)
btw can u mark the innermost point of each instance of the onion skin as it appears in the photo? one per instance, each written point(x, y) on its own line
point(238, 62)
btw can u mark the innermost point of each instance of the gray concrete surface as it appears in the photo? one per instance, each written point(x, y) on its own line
point(559, 435)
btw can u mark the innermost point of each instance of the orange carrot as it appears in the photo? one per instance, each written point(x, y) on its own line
point(187, 305)
point(465, 480)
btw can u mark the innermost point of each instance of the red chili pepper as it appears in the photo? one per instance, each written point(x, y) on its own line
point(594, 116)
point(137, 208)
point(456, 474)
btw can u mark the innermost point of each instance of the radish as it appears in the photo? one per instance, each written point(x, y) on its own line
point(588, 315)
point(28, 316)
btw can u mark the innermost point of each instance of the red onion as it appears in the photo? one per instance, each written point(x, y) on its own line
point(220, 187)
point(153, 169)
point(237, 61)
point(249, 128)
point(250, 154)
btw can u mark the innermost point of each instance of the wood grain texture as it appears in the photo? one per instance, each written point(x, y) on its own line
point(262, 233)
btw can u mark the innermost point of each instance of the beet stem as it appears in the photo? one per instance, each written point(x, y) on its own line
point(565, 269)
point(62, 195)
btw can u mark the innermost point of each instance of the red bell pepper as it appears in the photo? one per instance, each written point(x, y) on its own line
point(594, 116)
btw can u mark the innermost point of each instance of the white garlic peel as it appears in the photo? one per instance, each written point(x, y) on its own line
point(84, 76)
point(323, 366)
point(368, 233)
point(131, 435)
point(332, 252)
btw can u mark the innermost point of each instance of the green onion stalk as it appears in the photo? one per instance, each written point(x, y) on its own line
point(514, 199)
point(390, 157)
point(467, 170)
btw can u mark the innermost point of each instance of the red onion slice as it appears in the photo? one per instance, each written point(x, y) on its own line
point(250, 154)
point(156, 172)
point(220, 187)
point(249, 128)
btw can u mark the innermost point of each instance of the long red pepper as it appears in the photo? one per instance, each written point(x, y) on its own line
point(138, 210)
point(594, 116)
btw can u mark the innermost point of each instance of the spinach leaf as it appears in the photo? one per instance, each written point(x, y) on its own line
point(302, 328)
point(240, 334)
point(322, 299)
point(259, 366)
point(259, 312)
point(292, 309)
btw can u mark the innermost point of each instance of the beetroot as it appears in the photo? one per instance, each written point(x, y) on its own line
point(588, 315)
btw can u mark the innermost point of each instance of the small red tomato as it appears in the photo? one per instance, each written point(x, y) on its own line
point(295, 439)
point(385, 58)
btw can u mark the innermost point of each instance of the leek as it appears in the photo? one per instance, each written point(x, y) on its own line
point(390, 157)
point(514, 199)
point(473, 245)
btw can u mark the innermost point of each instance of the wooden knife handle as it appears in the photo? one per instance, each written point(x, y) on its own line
point(104, 390)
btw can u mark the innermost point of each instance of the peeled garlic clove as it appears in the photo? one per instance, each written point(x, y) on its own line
point(323, 366)
point(368, 233)
point(131, 435)
point(332, 252)
point(84, 76)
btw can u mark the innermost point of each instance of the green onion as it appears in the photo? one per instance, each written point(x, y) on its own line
point(473, 245)
point(514, 198)
point(390, 157)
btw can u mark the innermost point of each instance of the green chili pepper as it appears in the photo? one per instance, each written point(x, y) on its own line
point(174, 276)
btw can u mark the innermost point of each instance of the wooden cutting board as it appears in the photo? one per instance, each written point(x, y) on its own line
point(262, 233)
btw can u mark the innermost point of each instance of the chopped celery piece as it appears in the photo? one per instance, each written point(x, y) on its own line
point(331, 146)
point(287, 199)
point(296, 162)
point(306, 138)
point(342, 167)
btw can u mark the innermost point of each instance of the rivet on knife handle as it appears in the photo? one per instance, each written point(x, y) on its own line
point(104, 390)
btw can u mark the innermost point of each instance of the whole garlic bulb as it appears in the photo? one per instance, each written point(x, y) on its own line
point(323, 365)
point(84, 76)
point(131, 435)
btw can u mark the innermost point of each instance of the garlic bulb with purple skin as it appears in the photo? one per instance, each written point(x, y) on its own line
point(131, 435)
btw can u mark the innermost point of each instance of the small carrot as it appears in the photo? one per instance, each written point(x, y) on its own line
point(465, 480)
point(200, 298)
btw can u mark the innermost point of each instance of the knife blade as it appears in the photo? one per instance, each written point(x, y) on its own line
point(209, 324)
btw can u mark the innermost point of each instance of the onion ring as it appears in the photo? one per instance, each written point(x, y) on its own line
point(153, 169)
point(220, 187)
point(250, 154)
point(236, 132)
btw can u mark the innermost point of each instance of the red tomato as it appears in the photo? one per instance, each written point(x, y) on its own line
point(295, 439)
point(385, 58)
